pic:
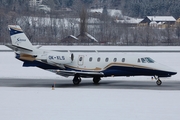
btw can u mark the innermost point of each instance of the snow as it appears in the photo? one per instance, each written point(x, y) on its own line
point(161, 18)
point(91, 37)
point(74, 37)
point(88, 104)
point(111, 12)
point(131, 20)
point(19, 103)
point(145, 48)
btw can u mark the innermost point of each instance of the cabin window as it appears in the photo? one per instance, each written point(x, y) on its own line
point(115, 59)
point(80, 59)
point(98, 59)
point(123, 59)
point(90, 59)
point(107, 59)
point(72, 56)
point(143, 60)
point(139, 60)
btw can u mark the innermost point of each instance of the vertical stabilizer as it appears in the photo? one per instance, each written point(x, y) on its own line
point(18, 38)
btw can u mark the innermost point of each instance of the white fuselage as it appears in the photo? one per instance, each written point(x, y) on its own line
point(101, 62)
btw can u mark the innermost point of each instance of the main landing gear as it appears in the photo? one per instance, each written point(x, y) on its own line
point(158, 82)
point(96, 80)
point(76, 79)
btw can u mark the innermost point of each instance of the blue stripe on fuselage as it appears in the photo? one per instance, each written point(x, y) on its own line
point(132, 71)
point(38, 64)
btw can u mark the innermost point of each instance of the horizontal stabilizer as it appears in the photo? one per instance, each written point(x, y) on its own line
point(17, 48)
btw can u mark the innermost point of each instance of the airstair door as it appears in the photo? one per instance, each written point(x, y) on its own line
point(81, 60)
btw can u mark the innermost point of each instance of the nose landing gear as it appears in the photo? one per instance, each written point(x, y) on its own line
point(158, 82)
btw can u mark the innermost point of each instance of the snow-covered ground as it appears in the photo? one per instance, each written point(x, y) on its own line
point(86, 104)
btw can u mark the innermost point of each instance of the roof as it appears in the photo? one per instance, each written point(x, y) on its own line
point(161, 18)
point(111, 12)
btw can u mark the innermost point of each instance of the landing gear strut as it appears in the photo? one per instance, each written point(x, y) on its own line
point(76, 79)
point(158, 82)
point(96, 80)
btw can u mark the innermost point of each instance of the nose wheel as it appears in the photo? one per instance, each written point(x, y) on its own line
point(158, 82)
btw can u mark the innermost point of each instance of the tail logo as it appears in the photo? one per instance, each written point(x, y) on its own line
point(19, 39)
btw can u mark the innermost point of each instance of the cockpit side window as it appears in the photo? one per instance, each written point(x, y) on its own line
point(143, 60)
point(139, 60)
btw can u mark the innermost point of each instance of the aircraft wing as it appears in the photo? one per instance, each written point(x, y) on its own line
point(66, 73)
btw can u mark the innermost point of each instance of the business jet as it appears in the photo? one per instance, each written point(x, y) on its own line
point(93, 65)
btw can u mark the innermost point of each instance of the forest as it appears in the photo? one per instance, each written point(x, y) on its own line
point(102, 27)
point(133, 8)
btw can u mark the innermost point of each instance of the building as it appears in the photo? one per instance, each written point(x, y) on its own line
point(158, 20)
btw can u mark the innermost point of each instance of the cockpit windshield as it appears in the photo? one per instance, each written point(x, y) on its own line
point(143, 60)
point(149, 60)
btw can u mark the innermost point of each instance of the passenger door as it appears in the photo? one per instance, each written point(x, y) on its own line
point(81, 60)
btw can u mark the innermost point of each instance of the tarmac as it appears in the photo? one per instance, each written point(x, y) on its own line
point(103, 84)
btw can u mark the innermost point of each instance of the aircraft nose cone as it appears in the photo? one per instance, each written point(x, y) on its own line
point(173, 73)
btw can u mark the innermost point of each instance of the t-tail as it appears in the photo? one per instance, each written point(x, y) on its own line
point(19, 40)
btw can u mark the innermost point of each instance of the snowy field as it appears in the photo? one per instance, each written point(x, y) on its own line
point(87, 104)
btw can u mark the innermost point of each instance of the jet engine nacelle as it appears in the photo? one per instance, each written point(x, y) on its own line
point(60, 58)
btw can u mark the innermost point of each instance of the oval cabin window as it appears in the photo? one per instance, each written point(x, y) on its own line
point(98, 59)
point(123, 59)
point(115, 59)
point(90, 59)
point(107, 59)
point(80, 59)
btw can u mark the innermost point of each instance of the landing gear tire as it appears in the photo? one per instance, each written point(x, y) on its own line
point(76, 80)
point(96, 80)
point(158, 82)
